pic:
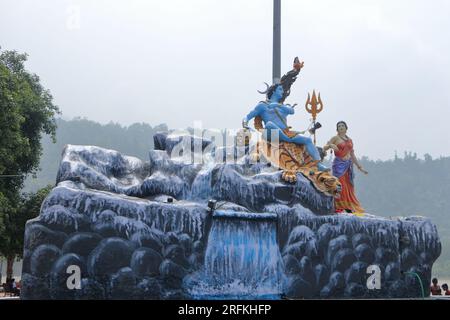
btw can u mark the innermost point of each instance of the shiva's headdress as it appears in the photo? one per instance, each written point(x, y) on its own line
point(286, 82)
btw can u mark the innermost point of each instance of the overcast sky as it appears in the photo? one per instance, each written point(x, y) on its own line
point(382, 66)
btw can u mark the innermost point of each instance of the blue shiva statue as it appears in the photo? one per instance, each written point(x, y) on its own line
point(273, 113)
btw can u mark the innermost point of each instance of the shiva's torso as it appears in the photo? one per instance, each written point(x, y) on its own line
point(269, 111)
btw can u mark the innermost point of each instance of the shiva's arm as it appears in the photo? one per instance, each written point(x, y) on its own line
point(255, 112)
point(286, 110)
point(331, 144)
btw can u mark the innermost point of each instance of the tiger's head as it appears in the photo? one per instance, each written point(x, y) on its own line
point(330, 182)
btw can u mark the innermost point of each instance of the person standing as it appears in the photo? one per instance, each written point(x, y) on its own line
point(435, 288)
point(445, 288)
point(344, 159)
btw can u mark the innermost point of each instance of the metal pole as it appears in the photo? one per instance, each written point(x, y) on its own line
point(276, 55)
point(314, 125)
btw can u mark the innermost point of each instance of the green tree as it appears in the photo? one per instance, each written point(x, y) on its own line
point(28, 208)
point(27, 111)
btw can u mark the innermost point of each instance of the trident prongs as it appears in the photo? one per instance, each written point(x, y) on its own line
point(314, 105)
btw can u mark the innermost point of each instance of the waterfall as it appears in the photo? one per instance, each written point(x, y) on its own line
point(201, 188)
point(242, 259)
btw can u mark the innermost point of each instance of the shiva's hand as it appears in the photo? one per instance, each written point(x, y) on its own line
point(245, 123)
point(332, 146)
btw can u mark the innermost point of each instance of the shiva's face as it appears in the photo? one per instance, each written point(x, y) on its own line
point(342, 128)
point(278, 92)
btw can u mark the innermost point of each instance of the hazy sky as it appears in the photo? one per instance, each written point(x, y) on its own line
point(382, 66)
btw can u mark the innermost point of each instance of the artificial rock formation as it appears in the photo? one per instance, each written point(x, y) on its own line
point(143, 230)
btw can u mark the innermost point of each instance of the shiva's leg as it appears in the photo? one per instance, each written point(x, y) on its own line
point(312, 150)
point(310, 147)
point(272, 128)
point(298, 139)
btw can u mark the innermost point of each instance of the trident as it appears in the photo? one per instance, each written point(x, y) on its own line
point(316, 107)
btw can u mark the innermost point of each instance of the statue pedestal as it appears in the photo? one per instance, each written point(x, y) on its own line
point(110, 216)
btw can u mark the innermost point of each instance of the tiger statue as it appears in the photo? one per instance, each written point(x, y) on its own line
point(292, 158)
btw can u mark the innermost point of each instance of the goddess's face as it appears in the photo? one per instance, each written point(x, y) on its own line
point(342, 128)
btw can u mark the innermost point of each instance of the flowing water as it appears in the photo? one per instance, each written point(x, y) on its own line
point(242, 259)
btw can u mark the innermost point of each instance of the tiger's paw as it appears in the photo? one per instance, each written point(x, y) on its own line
point(289, 176)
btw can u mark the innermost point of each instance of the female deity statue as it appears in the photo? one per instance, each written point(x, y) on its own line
point(344, 158)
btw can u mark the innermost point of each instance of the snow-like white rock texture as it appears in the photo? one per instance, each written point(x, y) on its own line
point(139, 229)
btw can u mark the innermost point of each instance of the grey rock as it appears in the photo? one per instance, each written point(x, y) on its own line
point(34, 288)
point(398, 289)
point(26, 262)
point(409, 259)
point(81, 243)
point(325, 233)
point(343, 260)
point(109, 256)
point(146, 262)
point(172, 273)
point(171, 238)
point(91, 290)
point(149, 288)
point(327, 292)
point(186, 242)
point(335, 245)
point(196, 261)
point(364, 253)
point(176, 253)
point(354, 290)
point(105, 229)
point(103, 194)
point(123, 284)
point(43, 258)
point(60, 218)
point(337, 281)
point(322, 275)
point(392, 271)
point(299, 289)
point(357, 273)
point(168, 142)
point(384, 256)
point(291, 265)
point(360, 238)
point(37, 234)
point(306, 271)
point(298, 250)
point(148, 240)
point(301, 234)
point(198, 247)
